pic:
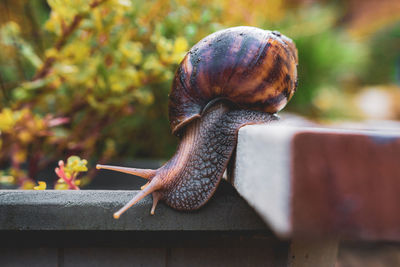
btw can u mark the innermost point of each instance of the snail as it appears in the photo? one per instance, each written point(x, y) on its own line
point(231, 78)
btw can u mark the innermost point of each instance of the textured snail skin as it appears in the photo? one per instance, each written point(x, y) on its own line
point(203, 154)
point(232, 78)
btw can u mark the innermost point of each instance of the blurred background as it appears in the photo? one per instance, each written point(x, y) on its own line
point(91, 78)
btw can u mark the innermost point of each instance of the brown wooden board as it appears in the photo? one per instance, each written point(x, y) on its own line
point(346, 184)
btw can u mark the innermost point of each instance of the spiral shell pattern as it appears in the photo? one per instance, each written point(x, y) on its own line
point(254, 68)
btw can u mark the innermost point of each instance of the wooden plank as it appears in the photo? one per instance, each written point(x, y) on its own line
point(227, 257)
point(311, 252)
point(346, 183)
point(105, 257)
point(32, 257)
point(368, 254)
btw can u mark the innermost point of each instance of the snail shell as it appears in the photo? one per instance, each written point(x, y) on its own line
point(253, 68)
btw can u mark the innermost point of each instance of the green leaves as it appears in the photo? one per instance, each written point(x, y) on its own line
point(10, 34)
point(75, 165)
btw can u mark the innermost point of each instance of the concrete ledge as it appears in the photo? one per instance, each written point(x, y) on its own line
point(92, 210)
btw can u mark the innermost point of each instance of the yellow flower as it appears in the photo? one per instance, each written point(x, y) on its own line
point(25, 136)
point(41, 186)
point(20, 156)
point(132, 75)
point(145, 97)
point(7, 179)
point(180, 45)
point(53, 23)
point(61, 186)
point(116, 82)
point(179, 51)
point(75, 164)
point(132, 50)
point(51, 52)
point(7, 120)
point(27, 185)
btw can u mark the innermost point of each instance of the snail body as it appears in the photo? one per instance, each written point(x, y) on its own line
point(231, 78)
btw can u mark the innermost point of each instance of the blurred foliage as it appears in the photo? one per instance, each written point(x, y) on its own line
point(92, 78)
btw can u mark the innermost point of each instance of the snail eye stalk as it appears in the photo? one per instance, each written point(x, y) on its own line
point(144, 173)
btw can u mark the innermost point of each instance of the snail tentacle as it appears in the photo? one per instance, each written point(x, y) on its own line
point(144, 173)
point(156, 198)
point(154, 185)
point(144, 186)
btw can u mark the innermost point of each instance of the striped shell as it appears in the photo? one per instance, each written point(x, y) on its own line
point(254, 68)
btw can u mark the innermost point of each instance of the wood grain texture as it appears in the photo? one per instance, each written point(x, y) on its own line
point(99, 257)
point(346, 184)
point(28, 256)
point(228, 257)
point(311, 252)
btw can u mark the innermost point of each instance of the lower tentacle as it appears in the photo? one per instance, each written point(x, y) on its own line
point(152, 187)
